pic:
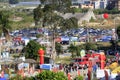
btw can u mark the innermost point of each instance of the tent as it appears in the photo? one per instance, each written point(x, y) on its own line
point(116, 70)
point(3, 79)
point(25, 39)
point(64, 38)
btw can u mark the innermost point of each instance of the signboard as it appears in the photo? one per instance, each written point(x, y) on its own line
point(73, 38)
point(82, 53)
point(100, 73)
point(46, 66)
point(20, 66)
point(64, 38)
point(23, 65)
point(5, 54)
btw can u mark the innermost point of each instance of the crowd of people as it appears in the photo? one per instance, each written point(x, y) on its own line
point(75, 67)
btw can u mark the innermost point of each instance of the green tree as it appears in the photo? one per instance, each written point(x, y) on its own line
point(31, 50)
point(19, 77)
point(118, 31)
point(5, 23)
point(114, 44)
point(79, 78)
point(72, 49)
point(75, 49)
point(69, 24)
point(78, 49)
point(51, 19)
point(38, 15)
point(42, 1)
point(49, 75)
point(59, 48)
point(90, 46)
point(92, 19)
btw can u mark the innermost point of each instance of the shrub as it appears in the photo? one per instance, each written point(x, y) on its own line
point(79, 78)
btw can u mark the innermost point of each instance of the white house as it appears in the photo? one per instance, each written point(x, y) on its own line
point(80, 16)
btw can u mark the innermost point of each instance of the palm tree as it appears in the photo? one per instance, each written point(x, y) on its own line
point(59, 48)
point(72, 49)
point(78, 49)
point(4, 24)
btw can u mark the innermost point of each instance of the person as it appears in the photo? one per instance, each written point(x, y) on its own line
point(118, 76)
point(94, 67)
point(117, 56)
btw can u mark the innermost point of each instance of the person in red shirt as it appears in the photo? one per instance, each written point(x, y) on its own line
point(117, 56)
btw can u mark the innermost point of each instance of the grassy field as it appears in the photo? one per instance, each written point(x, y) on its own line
point(25, 22)
point(63, 60)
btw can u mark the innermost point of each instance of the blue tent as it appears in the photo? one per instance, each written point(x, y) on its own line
point(3, 79)
point(64, 38)
point(106, 38)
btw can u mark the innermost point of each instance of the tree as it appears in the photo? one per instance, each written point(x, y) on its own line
point(78, 49)
point(114, 44)
point(5, 23)
point(118, 31)
point(42, 1)
point(50, 19)
point(90, 46)
point(69, 24)
point(64, 6)
point(79, 78)
point(92, 19)
point(13, 1)
point(38, 15)
point(19, 77)
point(32, 50)
point(58, 48)
point(49, 75)
point(72, 49)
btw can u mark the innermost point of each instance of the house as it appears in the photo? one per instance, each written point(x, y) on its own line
point(80, 16)
point(98, 4)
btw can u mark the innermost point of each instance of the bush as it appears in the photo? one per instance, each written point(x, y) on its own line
point(17, 77)
point(90, 46)
point(79, 78)
point(49, 75)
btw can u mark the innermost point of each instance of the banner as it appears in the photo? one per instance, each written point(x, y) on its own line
point(82, 53)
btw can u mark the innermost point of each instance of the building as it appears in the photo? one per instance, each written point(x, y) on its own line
point(90, 6)
point(98, 4)
point(103, 4)
point(79, 16)
point(77, 2)
point(117, 4)
point(113, 4)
